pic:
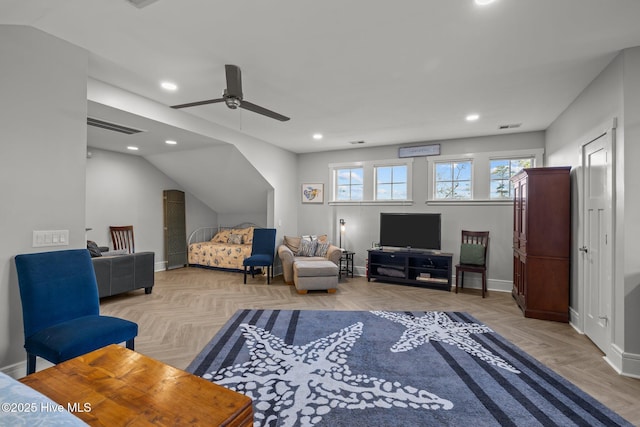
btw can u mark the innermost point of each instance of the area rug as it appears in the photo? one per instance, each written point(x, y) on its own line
point(381, 368)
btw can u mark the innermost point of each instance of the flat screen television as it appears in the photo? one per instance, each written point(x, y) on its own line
point(410, 230)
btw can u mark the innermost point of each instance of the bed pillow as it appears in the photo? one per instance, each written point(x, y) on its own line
point(307, 247)
point(235, 239)
point(471, 254)
point(221, 236)
point(247, 238)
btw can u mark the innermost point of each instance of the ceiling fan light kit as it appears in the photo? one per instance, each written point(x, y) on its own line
point(232, 96)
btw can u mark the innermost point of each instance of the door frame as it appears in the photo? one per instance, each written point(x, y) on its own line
point(607, 130)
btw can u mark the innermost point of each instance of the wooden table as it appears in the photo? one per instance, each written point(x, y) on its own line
point(114, 386)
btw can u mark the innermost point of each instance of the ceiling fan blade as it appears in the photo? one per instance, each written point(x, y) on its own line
point(261, 110)
point(195, 104)
point(234, 81)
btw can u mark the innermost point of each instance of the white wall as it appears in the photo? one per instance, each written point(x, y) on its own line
point(43, 110)
point(362, 227)
point(615, 93)
point(125, 189)
point(629, 226)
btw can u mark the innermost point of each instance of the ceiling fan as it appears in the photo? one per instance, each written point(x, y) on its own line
point(232, 96)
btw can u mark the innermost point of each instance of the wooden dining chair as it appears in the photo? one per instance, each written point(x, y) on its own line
point(473, 257)
point(122, 238)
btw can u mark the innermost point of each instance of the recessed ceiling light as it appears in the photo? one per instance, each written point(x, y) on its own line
point(484, 2)
point(171, 142)
point(132, 148)
point(472, 117)
point(317, 136)
point(169, 86)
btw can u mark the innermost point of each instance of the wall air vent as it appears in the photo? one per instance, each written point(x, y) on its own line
point(511, 126)
point(91, 121)
point(141, 3)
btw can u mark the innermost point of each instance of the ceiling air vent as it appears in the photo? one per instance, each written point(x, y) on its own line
point(511, 126)
point(141, 3)
point(112, 126)
point(356, 142)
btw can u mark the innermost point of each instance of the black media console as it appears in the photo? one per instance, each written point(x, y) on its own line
point(415, 267)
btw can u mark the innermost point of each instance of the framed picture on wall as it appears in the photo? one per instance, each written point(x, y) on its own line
point(312, 193)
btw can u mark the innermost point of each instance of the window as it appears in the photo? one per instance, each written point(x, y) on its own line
point(501, 171)
point(391, 182)
point(349, 184)
point(477, 178)
point(375, 182)
point(453, 180)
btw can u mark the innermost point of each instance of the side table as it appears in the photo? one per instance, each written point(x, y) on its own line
point(346, 263)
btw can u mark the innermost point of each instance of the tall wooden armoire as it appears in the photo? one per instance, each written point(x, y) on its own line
point(542, 242)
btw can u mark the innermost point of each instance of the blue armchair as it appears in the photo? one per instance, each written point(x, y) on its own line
point(262, 252)
point(61, 308)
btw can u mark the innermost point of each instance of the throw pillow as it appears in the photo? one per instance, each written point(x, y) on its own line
point(93, 248)
point(292, 243)
point(471, 254)
point(235, 239)
point(307, 248)
point(322, 248)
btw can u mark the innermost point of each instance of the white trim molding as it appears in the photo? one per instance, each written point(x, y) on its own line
point(626, 364)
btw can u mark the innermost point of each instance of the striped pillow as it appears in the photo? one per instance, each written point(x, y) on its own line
point(307, 248)
point(322, 249)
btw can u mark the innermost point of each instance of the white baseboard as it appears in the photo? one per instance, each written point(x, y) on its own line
point(19, 370)
point(626, 364)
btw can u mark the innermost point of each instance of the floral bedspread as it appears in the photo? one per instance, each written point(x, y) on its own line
point(220, 255)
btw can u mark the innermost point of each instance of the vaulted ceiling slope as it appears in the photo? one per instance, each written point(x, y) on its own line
point(220, 176)
point(383, 72)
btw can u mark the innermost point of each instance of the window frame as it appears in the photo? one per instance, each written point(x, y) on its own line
point(337, 184)
point(369, 181)
point(481, 174)
point(452, 161)
point(510, 159)
point(392, 183)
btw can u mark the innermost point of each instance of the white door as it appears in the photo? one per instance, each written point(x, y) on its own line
point(597, 241)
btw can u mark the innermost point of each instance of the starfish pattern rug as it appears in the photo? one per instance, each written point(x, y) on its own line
point(383, 368)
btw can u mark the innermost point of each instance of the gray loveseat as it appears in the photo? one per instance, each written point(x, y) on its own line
point(124, 273)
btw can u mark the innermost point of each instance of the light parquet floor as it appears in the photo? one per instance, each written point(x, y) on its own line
point(189, 305)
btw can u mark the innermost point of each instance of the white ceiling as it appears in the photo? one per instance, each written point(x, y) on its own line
point(379, 71)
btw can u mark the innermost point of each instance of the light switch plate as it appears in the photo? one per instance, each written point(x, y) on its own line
point(50, 238)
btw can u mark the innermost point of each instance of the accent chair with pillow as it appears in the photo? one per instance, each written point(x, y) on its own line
point(306, 248)
point(473, 257)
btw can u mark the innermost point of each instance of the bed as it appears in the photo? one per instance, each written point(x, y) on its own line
point(221, 247)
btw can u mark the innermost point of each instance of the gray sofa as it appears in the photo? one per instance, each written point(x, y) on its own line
point(124, 273)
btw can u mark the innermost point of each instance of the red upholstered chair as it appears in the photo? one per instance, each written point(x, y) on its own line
point(473, 257)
